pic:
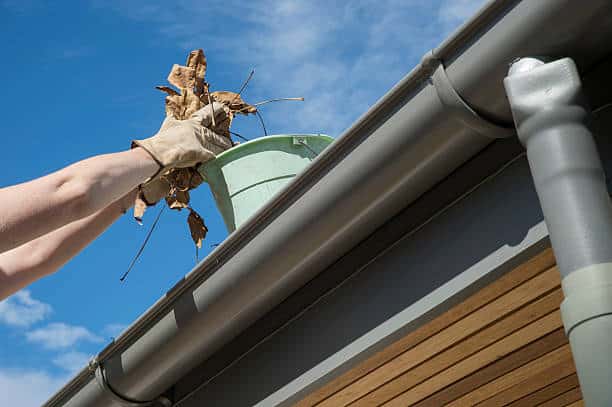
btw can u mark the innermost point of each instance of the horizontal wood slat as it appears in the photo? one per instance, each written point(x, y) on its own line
point(520, 274)
point(524, 355)
point(496, 351)
point(530, 384)
point(549, 392)
point(469, 346)
point(560, 358)
point(567, 398)
point(502, 346)
point(502, 306)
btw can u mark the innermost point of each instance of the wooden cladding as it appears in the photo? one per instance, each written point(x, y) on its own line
point(502, 346)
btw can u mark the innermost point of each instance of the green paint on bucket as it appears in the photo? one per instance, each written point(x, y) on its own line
point(244, 178)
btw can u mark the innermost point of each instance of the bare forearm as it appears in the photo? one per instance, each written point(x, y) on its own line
point(46, 254)
point(35, 208)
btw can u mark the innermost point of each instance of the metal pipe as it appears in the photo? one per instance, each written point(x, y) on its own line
point(552, 121)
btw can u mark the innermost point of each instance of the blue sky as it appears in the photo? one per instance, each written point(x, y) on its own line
point(78, 80)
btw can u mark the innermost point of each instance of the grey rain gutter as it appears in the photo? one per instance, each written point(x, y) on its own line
point(552, 121)
point(416, 135)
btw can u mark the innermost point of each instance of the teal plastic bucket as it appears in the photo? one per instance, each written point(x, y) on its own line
point(244, 178)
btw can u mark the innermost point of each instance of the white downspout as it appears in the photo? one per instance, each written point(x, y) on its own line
point(552, 122)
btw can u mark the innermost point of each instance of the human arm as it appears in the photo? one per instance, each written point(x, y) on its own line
point(35, 208)
point(62, 212)
point(46, 254)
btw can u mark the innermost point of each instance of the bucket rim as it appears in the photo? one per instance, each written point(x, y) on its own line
point(272, 137)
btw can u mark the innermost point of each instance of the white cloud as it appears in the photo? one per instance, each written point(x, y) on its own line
point(341, 57)
point(72, 362)
point(22, 310)
point(27, 388)
point(59, 335)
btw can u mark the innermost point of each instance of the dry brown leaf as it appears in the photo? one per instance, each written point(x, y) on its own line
point(193, 94)
point(167, 89)
point(140, 207)
point(196, 178)
point(197, 227)
point(182, 197)
point(225, 97)
point(174, 106)
point(179, 200)
point(183, 77)
point(192, 103)
point(223, 127)
point(180, 178)
point(197, 61)
point(233, 101)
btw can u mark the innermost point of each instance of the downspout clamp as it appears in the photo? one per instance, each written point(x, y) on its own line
point(552, 121)
point(456, 106)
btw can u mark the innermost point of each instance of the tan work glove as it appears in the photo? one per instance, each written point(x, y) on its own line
point(180, 144)
point(187, 143)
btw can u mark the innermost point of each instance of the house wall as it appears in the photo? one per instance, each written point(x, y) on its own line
point(503, 345)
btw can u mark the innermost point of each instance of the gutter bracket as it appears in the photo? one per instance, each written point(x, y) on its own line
point(123, 401)
point(457, 106)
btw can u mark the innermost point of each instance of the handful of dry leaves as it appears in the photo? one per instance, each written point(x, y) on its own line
point(190, 93)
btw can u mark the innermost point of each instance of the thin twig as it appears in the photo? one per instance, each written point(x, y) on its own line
point(212, 107)
point(262, 122)
point(268, 101)
point(144, 243)
point(244, 85)
point(277, 100)
point(238, 135)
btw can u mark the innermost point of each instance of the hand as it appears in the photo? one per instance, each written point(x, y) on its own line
point(187, 143)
